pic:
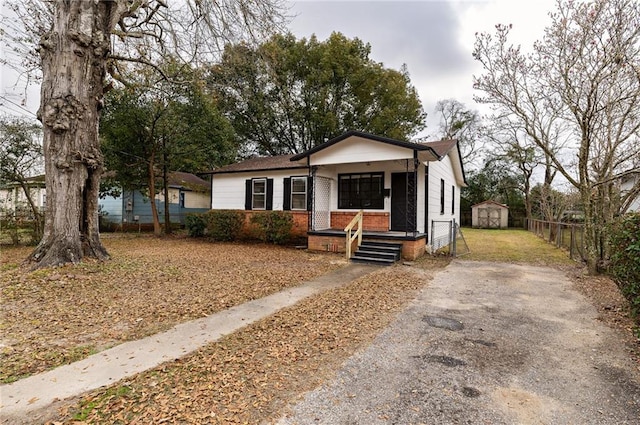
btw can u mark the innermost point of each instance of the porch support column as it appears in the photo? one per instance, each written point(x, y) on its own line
point(311, 192)
point(412, 196)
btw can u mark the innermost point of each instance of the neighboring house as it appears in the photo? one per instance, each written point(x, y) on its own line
point(13, 198)
point(188, 193)
point(407, 191)
point(628, 184)
point(490, 215)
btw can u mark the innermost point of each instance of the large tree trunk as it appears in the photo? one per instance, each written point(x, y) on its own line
point(73, 58)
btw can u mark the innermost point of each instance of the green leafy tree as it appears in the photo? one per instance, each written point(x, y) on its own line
point(149, 133)
point(497, 180)
point(289, 95)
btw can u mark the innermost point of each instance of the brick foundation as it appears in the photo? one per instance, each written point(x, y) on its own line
point(326, 243)
point(411, 250)
point(299, 228)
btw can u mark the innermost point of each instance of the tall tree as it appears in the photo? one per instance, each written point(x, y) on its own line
point(289, 95)
point(497, 180)
point(149, 132)
point(81, 42)
point(465, 125)
point(21, 158)
point(583, 75)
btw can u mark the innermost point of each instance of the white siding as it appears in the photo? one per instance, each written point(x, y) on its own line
point(13, 198)
point(358, 150)
point(437, 171)
point(626, 186)
point(228, 190)
point(192, 199)
point(196, 200)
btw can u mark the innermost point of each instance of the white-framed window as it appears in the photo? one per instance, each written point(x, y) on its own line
point(259, 194)
point(298, 193)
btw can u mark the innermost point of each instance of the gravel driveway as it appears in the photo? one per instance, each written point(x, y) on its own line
point(485, 343)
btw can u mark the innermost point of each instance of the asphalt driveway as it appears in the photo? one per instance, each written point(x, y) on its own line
point(485, 343)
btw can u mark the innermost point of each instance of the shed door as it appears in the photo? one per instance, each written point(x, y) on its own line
point(403, 207)
point(489, 218)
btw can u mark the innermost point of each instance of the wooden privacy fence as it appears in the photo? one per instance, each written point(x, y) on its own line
point(569, 236)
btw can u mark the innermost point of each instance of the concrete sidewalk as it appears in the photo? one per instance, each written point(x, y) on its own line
point(20, 401)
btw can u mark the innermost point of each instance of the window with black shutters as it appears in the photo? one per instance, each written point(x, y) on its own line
point(259, 194)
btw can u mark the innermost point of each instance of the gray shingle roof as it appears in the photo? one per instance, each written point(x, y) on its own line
point(279, 162)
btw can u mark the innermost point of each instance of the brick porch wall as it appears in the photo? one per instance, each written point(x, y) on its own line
point(372, 221)
point(326, 243)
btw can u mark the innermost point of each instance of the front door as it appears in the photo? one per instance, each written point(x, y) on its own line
point(403, 202)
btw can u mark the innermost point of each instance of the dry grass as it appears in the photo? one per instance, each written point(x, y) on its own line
point(251, 375)
point(513, 246)
point(55, 316)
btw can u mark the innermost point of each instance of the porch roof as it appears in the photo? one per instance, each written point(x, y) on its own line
point(420, 147)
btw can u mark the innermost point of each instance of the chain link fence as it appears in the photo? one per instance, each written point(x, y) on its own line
point(568, 236)
point(447, 238)
point(20, 227)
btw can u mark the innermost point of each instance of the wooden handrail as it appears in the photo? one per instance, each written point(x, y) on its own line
point(358, 234)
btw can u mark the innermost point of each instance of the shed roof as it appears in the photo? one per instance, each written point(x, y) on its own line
point(490, 202)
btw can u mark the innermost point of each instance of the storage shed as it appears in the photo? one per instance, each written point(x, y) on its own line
point(490, 215)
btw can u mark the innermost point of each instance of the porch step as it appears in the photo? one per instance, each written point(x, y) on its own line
point(382, 253)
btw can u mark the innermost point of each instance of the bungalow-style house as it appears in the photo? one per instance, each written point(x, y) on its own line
point(404, 190)
point(490, 215)
point(188, 193)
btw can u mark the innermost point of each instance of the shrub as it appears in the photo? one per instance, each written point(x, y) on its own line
point(273, 226)
point(624, 240)
point(10, 226)
point(195, 224)
point(224, 225)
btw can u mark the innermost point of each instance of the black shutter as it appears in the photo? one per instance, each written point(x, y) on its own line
point(286, 202)
point(309, 193)
point(247, 194)
point(269, 205)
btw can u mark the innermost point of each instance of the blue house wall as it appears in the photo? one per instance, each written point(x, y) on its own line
point(134, 207)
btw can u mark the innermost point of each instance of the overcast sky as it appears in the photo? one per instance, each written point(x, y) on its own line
point(433, 38)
